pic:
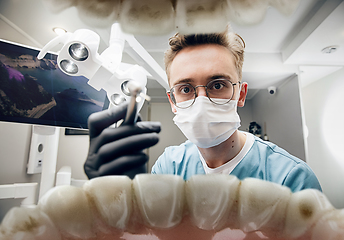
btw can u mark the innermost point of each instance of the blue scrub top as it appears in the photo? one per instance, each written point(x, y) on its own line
point(264, 160)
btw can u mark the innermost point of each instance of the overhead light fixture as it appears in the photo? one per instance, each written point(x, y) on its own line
point(78, 51)
point(68, 66)
point(59, 31)
point(117, 99)
point(79, 57)
point(330, 49)
point(125, 88)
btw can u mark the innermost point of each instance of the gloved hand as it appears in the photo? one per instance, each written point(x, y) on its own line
point(114, 151)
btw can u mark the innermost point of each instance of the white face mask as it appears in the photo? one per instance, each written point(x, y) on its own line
point(207, 124)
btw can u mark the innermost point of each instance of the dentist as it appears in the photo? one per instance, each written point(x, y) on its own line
point(204, 73)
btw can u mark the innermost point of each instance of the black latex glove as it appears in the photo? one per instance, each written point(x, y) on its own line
point(115, 151)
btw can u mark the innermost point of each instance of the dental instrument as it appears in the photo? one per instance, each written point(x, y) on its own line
point(136, 93)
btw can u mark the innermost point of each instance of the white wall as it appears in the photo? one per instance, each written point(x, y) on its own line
point(72, 152)
point(323, 103)
point(170, 133)
point(282, 114)
point(14, 148)
point(246, 116)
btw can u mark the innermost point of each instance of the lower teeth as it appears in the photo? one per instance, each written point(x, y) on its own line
point(69, 209)
point(166, 206)
point(28, 223)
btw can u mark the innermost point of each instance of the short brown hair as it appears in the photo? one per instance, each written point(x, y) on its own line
point(232, 41)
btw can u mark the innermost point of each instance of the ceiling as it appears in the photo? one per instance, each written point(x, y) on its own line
point(277, 48)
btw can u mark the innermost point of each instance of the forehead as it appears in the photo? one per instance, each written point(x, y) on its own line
point(201, 63)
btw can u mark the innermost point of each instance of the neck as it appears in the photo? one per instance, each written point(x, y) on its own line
point(224, 152)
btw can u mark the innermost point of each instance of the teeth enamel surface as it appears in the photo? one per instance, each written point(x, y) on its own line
point(112, 197)
point(99, 13)
point(166, 207)
point(262, 205)
point(147, 17)
point(305, 207)
point(160, 199)
point(158, 17)
point(201, 16)
point(69, 209)
point(28, 223)
point(210, 198)
point(330, 226)
point(57, 6)
point(286, 7)
point(247, 12)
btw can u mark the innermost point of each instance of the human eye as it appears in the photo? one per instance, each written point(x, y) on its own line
point(219, 84)
point(184, 89)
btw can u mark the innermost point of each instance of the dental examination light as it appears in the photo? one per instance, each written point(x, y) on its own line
point(79, 57)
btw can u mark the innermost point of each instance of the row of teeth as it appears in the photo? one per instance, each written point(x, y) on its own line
point(157, 17)
point(115, 205)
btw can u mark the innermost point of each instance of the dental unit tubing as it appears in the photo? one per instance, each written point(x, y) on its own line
point(112, 56)
point(142, 57)
point(135, 50)
point(20, 190)
point(117, 36)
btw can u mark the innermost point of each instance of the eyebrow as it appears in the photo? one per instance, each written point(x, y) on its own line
point(212, 77)
point(217, 76)
point(183, 80)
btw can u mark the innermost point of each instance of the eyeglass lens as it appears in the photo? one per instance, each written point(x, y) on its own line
point(217, 90)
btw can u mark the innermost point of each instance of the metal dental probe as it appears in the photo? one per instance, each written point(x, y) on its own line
point(135, 91)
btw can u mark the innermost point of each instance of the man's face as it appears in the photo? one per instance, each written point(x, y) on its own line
point(198, 65)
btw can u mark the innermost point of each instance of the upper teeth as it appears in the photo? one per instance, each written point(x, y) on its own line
point(157, 17)
point(211, 202)
point(149, 17)
point(201, 16)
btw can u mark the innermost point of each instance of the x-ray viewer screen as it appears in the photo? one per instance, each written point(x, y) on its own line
point(38, 92)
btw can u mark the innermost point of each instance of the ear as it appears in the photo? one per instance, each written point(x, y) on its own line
point(243, 93)
point(173, 107)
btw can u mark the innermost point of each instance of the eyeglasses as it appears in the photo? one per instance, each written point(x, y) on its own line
point(219, 91)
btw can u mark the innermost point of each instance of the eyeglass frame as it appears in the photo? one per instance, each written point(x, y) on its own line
point(206, 91)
